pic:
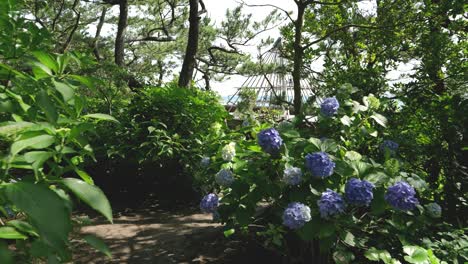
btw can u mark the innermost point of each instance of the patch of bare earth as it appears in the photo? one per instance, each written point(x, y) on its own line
point(159, 236)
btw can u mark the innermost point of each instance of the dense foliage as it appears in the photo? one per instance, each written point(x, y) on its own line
point(43, 134)
point(372, 168)
point(350, 192)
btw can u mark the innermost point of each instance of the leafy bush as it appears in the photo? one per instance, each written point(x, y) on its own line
point(350, 197)
point(159, 142)
point(43, 135)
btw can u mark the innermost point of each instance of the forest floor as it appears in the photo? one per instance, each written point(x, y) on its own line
point(154, 234)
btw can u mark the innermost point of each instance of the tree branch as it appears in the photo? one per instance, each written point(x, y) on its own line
point(268, 5)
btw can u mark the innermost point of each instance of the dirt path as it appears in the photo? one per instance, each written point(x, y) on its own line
point(157, 236)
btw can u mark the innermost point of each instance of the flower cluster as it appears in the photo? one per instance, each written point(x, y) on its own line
point(209, 203)
point(270, 141)
point(359, 192)
point(434, 210)
point(205, 162)
point(329, 106)
point(224, 178)
point(229, 151)
point(401, 196)
point(292, 176)
point(331, 203)
point(296, 215)
point(319, 164)
point(390, 145)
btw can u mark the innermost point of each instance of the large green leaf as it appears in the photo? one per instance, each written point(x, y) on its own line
point(7, 232)
point(65, 90)
point(416, 255)
point(37, 142)
point(91, 195)
point(99, 116)
point(37, 158)
point(46, 210)
point(46, 59)
point(44, 102)
point(22, 226)
point(98, 244)
point(12, 128)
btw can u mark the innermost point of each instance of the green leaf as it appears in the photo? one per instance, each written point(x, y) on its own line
point(102, 117)
point(353, 155)
point(229, 232)
point(37, 142)
point(24, 227)
point(37, 158)
point(85, 176)
point(44, 102)
point(380, 119)
point(7, 232)
point(377, 178)
point(91, 195)
point(12, 128)
point(349, 239)
point(46, 211)
point(46, 59)
point(416, 255)
point(291, 134)
point(316, 143)
point(65, 90)
point(343, 257)
point(374, 254)
point(98, 244)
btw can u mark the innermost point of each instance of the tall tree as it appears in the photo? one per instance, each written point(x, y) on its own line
point(119, 51)
point(188, 65)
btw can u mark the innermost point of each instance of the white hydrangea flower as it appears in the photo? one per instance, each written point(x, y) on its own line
point(229, 151)
point(292, 176)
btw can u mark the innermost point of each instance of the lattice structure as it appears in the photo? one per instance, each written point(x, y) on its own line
point(275, 87)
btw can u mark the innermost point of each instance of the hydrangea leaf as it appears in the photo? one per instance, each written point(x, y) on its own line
point(98, 244)
point(91, 195)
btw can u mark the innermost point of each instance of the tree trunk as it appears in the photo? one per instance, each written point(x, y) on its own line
point(298, 57)
point(188, 65)
point(95, 44)
point(119, 51)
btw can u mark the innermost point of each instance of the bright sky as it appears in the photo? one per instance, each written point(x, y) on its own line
point(217, 10)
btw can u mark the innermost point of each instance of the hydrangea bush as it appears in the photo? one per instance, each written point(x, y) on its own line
point(328, 184)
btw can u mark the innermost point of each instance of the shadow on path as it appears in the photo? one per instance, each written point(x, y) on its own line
point(158, 236)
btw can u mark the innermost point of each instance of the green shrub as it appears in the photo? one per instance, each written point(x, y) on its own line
point(354, 139)
point(160, 139)
point(43, 139)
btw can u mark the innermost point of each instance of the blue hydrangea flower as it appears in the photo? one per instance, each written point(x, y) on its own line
point(209, 203)
point(401, 196)
point(434, 210)
point(359, 192)
point(331, 203)
point(270, 141)
point(390, 145)
point(296, 215)
point(329, 106)
point(205, 162)
point(319, 164)
point(292, 176)
point(224, 178)
point(229, 151)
